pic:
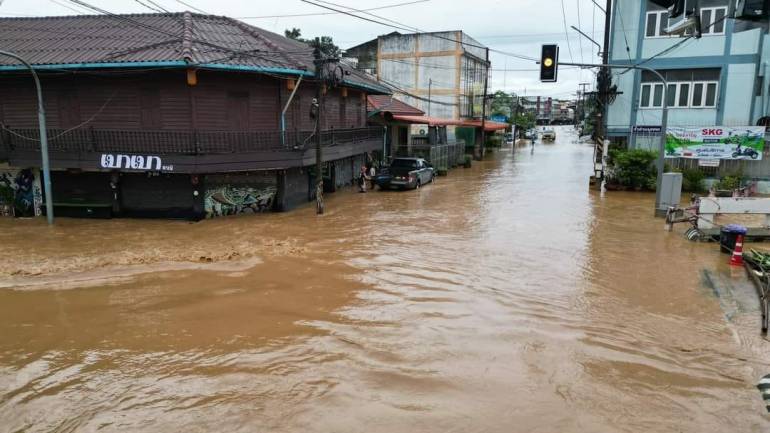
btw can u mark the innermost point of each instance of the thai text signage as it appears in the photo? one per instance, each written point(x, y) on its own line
point(716, 142)
point(133, 162)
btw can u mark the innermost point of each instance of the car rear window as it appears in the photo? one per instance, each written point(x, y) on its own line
point(404, 163)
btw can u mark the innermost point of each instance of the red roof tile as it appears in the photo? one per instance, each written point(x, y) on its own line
point(387, 103)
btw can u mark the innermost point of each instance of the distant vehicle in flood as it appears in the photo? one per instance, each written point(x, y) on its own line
point(548, 134)
point(406, 173)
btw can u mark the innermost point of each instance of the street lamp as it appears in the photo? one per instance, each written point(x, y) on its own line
point(43, 137)
point(587, 37)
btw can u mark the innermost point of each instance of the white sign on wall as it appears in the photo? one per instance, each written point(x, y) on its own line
point(134, 162)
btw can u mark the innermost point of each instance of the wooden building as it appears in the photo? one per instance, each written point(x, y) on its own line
point(174, 115)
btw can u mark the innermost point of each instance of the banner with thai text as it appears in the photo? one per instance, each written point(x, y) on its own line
point(716, 142)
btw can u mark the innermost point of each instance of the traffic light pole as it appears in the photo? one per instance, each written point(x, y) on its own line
point(663, 124)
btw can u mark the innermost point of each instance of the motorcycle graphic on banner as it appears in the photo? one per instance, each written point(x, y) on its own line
point(717, 142)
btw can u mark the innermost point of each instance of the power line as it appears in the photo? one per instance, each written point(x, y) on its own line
point(564, 21)
point(192, 7)
point(152, 2)
point(148, 6)
point(435, 66)
point(333, 13)
point(580, 40)
point(77, 11)
point(405, 27)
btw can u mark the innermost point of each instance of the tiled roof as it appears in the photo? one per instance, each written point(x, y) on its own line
point(387, 103)
point(168, 39)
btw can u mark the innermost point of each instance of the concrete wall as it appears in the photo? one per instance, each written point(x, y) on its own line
point(429, 65)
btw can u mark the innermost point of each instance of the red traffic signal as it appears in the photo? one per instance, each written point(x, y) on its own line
point(549, 63)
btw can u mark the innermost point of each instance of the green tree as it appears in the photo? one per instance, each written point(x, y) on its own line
point(501, 104)
point(328, 48)
point(524, 121)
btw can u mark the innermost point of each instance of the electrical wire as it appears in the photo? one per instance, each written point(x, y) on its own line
point(148, 6)
point(580, 27)
point(400, 26)
point(192, 7)
point(566, 33)
point(66, 131)
point(333, 13)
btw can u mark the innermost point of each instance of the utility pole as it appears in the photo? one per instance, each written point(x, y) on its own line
point(602, 80)
point(430, 84)
point(581, 102)
point(319, 92)
point(480, 153)
point(43, 137)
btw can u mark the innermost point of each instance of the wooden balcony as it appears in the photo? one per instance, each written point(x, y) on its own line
point(165, 142)
point(182, 151)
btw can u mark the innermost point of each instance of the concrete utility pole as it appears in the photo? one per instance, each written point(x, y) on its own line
point(319, 92)
point(430, 84)
point(604, 78)
point(663, 124)
point(43, 137)
point(480, 153)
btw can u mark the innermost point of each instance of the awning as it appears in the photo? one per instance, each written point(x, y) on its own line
point(437, 121)
point(427, 120)
point(488, 125)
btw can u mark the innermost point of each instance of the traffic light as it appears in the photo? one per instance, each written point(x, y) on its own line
point(549, 63)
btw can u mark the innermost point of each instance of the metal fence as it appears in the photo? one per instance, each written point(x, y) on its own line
point(441, 156)
point(190, 142)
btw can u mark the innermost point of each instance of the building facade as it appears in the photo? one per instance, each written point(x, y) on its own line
point(171, 115)
point(441, 73)
point(719, 79)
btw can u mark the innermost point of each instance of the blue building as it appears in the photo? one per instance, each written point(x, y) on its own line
point(719, 79)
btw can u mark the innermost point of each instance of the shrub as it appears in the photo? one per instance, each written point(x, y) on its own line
point(692, 180)
point(730, 181)
point(633, 168)
point(467, 161)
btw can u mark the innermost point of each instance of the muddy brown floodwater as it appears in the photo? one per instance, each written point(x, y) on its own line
point(506, 297)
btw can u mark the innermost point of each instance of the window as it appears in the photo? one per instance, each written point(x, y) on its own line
point(704, 94)
point(657, 21)
point(652, 95)
point(69, 108)
point(149, 108)
point(713, 20)
point(687, 88)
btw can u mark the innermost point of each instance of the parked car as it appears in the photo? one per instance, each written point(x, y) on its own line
point(509, 138)
point(406, 173)
point(548, 134)
point(531, 134)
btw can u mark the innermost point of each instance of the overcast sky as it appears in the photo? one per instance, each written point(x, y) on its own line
point(515, 26)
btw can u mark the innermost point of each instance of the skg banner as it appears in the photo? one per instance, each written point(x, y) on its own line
point(717, 142)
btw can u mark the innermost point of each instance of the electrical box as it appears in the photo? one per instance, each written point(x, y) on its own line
point(671, 190)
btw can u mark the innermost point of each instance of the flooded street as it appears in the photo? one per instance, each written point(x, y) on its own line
point(505, 297)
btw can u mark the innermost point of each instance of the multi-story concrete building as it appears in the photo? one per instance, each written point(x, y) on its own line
point(719, 79)
point(441, 73)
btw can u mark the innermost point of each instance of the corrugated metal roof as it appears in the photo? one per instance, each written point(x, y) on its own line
point(387, 103)
point(182, 38)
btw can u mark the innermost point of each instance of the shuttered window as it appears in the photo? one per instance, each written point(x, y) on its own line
point(149, 108)
point(69, 109)
point(238, 111)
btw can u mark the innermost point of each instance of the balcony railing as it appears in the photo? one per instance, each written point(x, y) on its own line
point(189, 142)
